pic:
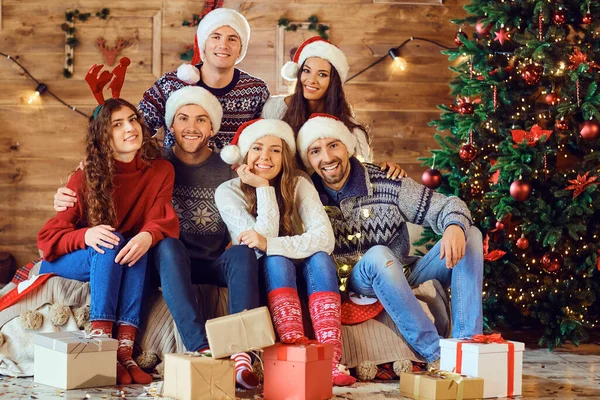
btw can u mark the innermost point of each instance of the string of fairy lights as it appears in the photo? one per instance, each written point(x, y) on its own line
point(41, 87)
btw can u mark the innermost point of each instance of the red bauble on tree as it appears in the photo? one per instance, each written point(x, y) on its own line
point(587, 18)
point(460, 38)
point(483, 29)
point(532, 73)
point(559, 17)
point(467, 152)
point(432, 178)
point(561, 124)
point(499, 225)
point(590, 130)
point(552, 99)
point(520, 190)
point(522, 243)
point(552, 261)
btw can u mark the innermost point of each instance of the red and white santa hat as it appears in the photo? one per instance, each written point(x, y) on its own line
point(194, 95)
point(209, 23)
point(316, 47)
point(323, 126)
point(253, 130)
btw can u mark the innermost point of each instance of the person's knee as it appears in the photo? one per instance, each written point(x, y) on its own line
point(241, 261)
point(383, 261)
point(474, 236)
point(168, 253)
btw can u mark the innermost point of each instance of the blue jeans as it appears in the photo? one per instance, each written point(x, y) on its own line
point(319, 271)
point(115, 290)
point(379, 273)
point(236, 269)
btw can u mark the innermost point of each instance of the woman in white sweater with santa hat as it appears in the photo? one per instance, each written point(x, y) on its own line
point(275, 210)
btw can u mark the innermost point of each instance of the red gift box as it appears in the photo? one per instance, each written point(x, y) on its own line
point(298, 372)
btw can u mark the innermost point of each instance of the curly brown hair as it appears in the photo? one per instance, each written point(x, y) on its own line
point(100, 165)
point(290, 223)
point(334, 100)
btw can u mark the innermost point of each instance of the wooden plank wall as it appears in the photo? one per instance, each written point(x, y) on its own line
point(41, 143)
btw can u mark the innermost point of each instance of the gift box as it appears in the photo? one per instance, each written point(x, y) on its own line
point(193, 376)
point(241, 332)
point(297, 372)
point(499, 362)
point(440, 385)
point(72, 360)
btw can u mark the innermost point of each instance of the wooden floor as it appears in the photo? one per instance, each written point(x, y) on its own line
point(567, 373)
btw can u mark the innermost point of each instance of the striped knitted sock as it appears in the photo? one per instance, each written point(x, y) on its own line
point(326, 315)
point(126, 338)
point(286, 312)
point(244, 376)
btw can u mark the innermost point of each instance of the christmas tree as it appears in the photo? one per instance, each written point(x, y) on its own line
point(521, 146)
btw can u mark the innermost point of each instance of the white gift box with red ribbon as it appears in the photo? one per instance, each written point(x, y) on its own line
point(499, 362)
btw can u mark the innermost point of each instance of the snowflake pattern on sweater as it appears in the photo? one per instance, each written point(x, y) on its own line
point(242, 100)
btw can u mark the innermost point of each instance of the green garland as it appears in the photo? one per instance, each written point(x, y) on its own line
point(71, 40)
point(314, 25)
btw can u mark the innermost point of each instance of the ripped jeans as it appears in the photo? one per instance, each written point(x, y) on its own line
point(379, 273)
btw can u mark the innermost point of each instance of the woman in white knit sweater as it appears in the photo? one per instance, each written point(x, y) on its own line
point(275, 210)
point(320, 69)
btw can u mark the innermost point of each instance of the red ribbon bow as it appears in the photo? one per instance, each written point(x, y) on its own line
point(491, 338)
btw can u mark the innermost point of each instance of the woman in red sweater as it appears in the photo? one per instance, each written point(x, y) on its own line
point(123, 209)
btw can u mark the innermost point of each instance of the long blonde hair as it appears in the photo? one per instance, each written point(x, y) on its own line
point(290, 223)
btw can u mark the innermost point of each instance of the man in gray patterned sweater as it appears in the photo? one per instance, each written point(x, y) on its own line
point(369, 215)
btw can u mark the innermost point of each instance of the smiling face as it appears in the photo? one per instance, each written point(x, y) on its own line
point(222, 48)
point(331, 161)
point(265, 157)
point(192, 128)
point(126, 138)
point(315, 77)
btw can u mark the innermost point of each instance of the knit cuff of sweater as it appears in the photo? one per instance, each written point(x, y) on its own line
point(265, 197)
point(457, 224)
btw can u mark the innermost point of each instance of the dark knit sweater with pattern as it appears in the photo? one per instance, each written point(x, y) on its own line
point(374, 210)
point(242, 100)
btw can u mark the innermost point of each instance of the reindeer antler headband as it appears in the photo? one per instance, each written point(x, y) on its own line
point(98, 82)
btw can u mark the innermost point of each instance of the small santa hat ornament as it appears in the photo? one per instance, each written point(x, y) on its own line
point(317, 47)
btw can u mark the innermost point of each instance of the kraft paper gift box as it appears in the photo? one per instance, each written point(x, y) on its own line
point(241, 332)
point(192, 376)
point(440, 385)
point(72, 360)
point(497, 361)
point(298, 372)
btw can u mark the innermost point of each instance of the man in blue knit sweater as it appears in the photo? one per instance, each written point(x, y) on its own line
point(369, 215)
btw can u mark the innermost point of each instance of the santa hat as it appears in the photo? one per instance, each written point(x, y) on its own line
point(194, 95)
point(317, 47)
point(209, 23)
point(323, 126)
point(253, 130)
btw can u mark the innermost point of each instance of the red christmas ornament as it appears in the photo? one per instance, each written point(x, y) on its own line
point(501, 36)
point(589, 130)
point(467, 152)
point(432, 178)
point(482, 29)
point(559, 17)
point(561, 124)
point(581, 183)
point(532, 74)
point(552, 261)
point(520, 190)
point(587, 19)
point(552, 99)
point(522, 243)
point(460, 37)
point(499, 225)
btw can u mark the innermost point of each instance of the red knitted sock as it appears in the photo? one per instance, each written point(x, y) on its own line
point(126, 337)
point(326, 315)
point(244, 376)
point(102, 328)
point(286, 312)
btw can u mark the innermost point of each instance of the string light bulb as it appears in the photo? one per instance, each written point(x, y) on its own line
point(39, 90)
